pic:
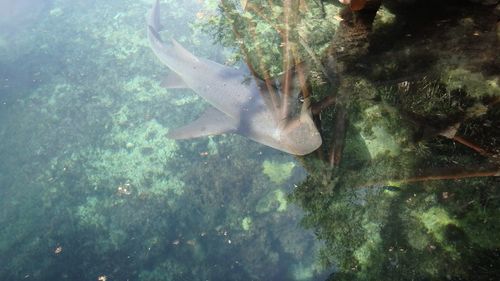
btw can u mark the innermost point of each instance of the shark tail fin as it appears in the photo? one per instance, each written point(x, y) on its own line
point(153, 17)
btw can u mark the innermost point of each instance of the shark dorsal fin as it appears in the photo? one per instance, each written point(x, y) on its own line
point(182, 52)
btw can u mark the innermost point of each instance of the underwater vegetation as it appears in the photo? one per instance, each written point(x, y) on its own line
point(405, 187)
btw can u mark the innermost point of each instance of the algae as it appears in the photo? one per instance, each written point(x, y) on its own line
point(277, 172)
point(246, 223)
point(273, 201)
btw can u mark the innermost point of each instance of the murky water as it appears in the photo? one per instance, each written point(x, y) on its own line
point(404, 187)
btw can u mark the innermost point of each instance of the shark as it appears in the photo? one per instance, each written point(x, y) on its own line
point(237, 103)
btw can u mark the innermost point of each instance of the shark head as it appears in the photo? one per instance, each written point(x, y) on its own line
point(299, 136)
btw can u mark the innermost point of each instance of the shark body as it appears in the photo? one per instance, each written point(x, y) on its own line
point(238, 104)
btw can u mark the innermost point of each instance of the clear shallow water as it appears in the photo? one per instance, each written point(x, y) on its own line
point(90, 186)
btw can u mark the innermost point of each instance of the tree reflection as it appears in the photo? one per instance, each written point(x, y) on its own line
point(407, 100)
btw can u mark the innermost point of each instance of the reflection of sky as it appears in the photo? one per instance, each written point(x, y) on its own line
point(14, 12)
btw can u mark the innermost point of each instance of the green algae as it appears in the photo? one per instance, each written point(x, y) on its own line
point(302, 272)
point(276, 171)
point(379, 129)
point(384, 18)
point(165, 271)
point(56, 12)
point(143, 88)
point(246, 223)
point(274, 200)
point(475, 83)
point(138, 158)
point(89, 213)
point(435, 221)
point(369, 248)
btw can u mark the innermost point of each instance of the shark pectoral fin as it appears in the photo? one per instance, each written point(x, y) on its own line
point(173, 81)
point(211, 122)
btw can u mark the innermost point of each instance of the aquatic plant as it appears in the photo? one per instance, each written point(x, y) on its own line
point(246, 223)
point(277, 172)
